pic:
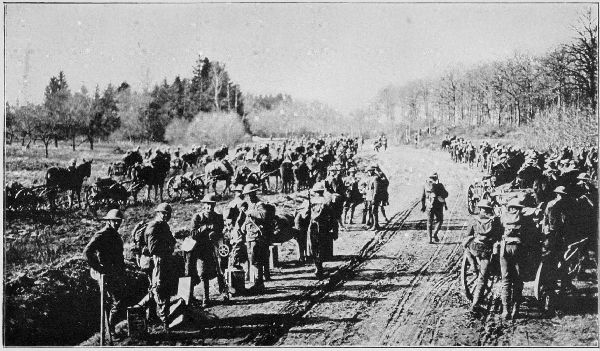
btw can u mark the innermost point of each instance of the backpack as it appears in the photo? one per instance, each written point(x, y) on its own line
point(484, 228)
point(512, 224)
point(139, 238)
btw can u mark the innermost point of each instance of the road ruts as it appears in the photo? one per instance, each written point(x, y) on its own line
point(408, 283)
point(293, 311)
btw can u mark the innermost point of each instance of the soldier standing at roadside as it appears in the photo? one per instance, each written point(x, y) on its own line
point(482, 235)
point(104, 254)
point(511, 257)
point(161, 245)
point(257, 231)
point(202, 261)
point(432, 202)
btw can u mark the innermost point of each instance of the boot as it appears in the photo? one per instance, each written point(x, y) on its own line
point(505, 310)
point(376, 220)
point(206, 301)
point(364, 217)
point(352, 216)
point(344, 215)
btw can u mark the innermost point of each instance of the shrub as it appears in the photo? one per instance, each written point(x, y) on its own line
point(212, 129)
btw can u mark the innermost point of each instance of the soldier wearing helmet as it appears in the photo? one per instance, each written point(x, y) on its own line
point(202, 259)
point(483, 233)
point(104, 254)
point(161, 245)
point(433, 202)
point(558, 229)
point(257, 231)
point(517, 228)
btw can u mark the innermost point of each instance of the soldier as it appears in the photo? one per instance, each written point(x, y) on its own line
point(511, 257)
point(483, 233)
point(104, 254)
point(557, 229)
point(371, 188)
point(161, 245)
point(257, 231)
point(433, 202)
point(72, 166)
point(381, 195)
point(202, 260)
point(234, 219)
point(317, 211)
point(334, 184)
point(352, 195)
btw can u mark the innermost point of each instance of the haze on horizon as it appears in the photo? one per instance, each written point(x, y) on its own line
point(340, 54)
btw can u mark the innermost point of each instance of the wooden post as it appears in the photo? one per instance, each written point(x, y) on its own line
point(102, 327)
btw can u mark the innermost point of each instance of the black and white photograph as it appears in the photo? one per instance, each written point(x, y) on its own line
point(306, 174)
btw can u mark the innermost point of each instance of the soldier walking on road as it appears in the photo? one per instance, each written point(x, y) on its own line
point(202, 262)
point(433, 203)
point(371, 204)
point(482, 235)
point(104, 254)
point(352, 196)
point(161, 245)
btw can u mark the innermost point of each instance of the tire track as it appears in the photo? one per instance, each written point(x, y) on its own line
point(297, 308)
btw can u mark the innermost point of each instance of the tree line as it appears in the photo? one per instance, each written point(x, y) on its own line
point(510, 92)
point(80, 117)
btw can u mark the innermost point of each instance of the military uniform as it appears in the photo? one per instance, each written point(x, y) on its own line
point(319, 227)
point(202, 262)
point(432, 202)
point(512, 257)
point(104, 254)
point(257, 231)
point(161, 245)
point(352, 197)
point(485, 231)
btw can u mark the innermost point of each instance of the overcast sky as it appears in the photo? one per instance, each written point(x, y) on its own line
point(340, 54)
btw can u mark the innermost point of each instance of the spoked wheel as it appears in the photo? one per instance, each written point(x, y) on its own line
point(223, 250)
point(175, 188)
point(198, 188)
point(468, 275)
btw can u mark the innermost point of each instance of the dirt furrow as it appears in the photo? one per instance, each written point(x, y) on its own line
point(296, 308)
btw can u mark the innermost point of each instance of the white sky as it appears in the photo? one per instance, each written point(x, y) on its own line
point(341, 54)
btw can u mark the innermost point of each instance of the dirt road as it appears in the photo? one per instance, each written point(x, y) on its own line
point(388, 288)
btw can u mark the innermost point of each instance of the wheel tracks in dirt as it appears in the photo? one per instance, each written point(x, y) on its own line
point(395, 321)
point(298, 307)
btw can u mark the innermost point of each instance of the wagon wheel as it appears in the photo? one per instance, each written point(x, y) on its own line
point(198, 188)
point(24, 200)
point(223, 250)
point(174, 190)
point(470, 201)
point(468, 275)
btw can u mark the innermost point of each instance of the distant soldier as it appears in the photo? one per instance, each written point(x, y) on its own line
point(104, 254)
point(161, 245)
point(352, 195)
point(483, 233)
point(202, 261)
point(72, 166)
point(381, 194)
point(433, 202)
point(371, 188)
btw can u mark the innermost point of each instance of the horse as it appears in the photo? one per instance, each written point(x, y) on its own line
point(301, 175)
point(218, 170)
point(287, 176)
point(152, 175)
point(63, 179)
point(270, 168)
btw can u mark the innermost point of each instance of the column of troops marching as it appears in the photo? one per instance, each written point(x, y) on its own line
point(537, 221)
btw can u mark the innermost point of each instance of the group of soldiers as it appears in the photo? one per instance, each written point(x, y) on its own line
point(563, 210)
point(247, 222)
